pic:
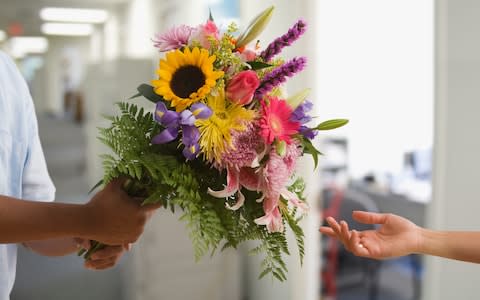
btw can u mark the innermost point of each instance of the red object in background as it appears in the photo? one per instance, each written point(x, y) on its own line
point(15, 29)
point(329, 274)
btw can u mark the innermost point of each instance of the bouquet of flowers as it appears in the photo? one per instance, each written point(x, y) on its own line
point(223, 140)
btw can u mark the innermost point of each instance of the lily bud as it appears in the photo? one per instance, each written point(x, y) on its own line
point(255, 27)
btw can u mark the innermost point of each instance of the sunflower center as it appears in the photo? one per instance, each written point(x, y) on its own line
point(187, 80)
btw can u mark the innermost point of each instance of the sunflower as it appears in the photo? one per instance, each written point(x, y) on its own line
point(186, 77)
point(215, 132)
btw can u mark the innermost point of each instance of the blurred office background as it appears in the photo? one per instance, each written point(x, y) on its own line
point(405, 72)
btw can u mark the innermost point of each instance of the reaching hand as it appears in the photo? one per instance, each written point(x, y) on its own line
point(396, 236)
point(104, 258)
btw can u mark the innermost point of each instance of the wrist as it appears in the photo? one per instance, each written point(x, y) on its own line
point(424, 237)
point(86, 222)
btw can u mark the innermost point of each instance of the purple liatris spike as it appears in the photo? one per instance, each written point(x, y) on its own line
point(287, 39)
point(279, 76)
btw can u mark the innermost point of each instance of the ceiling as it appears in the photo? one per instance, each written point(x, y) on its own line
point(26, 12)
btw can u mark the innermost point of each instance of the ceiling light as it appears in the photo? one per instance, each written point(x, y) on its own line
point(3, 35)
point(67, 29)
point(74, 15)
point(19, 46)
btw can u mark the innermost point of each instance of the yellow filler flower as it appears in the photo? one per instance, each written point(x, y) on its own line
point(186, 77)
point(215, 132)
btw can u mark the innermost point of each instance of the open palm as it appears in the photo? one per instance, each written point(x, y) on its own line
point(396, 236)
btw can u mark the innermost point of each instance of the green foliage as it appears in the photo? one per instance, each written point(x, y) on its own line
point(258, 65)
point(160, 174)
point(309, 148)
point(148, 92)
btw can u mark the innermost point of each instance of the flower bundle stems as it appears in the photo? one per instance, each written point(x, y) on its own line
point(285, 40)
point(279, 76)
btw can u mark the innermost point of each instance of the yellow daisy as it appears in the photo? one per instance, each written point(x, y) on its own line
point(186, 77)
point(215, 132)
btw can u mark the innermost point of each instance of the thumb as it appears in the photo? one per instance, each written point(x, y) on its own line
point(151, 207)
point(369, 217)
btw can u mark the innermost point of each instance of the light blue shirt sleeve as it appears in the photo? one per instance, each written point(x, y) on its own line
point(36, 182)
point(24, 167)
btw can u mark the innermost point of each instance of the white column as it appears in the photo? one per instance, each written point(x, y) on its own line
point(140, 28)
point(456, 161)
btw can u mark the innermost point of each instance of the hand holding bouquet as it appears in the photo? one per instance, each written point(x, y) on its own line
point(223, 140)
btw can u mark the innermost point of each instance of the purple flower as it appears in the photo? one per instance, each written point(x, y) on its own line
point(279, 76)
point(167, 118)
point(187, 118)
point(201, 111)
point(175, 38)
point(191, 151)
point(167, 135)
point(191, 135)
point(285, 40)
point(309, 133)
point(185, 122)
point(300, 115)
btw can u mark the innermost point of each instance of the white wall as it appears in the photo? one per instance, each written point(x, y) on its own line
point(375, 67)
point(456, 161)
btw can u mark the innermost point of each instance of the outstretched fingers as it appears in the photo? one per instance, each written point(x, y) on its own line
point(335, 226)
point(351, 239)
point(369, 217)
point(328, 231)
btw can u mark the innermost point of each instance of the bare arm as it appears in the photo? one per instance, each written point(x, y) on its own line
point(22, 221)
point(397, 236)
point(457, 245)
point(111, 217)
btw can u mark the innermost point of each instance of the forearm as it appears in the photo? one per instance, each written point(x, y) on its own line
point(53, 247)
point(22, 221)
point(464, 246)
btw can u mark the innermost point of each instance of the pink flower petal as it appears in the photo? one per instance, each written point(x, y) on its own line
point(293, 199)
point(232, 185)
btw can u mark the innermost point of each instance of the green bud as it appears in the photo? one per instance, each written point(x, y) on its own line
point(281, 148)
point(255, 27)
point(331, 124)
point(297, 99)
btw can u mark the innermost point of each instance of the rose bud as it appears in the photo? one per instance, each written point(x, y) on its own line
point(242, 86)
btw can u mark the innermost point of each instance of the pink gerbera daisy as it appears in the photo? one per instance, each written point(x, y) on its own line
point(275, 122)
point(175, 38)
